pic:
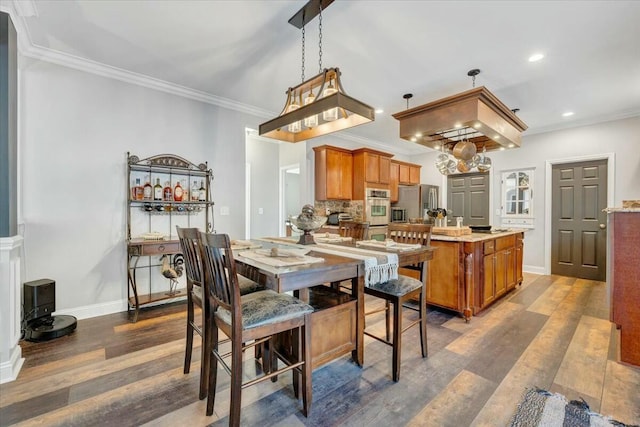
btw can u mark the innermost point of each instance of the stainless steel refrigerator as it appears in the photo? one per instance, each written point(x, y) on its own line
point(416, 198)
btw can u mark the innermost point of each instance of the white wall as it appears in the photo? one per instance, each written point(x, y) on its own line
point(621, 137)
point(75, 130)
point(263, 156)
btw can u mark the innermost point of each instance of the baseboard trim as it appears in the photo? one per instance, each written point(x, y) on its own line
point(533, 269)
point(95, 310)
point(10, 369)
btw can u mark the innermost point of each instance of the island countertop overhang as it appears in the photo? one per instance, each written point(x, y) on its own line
point(477, 237)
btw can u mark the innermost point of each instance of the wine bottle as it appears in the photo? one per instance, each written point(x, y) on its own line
point(147, 191)
point(202, 193)
point(195, 193)
point(177, 192)
point(137, 192)
point(157, 190)
point(168, 192)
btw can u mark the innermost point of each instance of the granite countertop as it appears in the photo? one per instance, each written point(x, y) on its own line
point(476, 237)
point(612, 210)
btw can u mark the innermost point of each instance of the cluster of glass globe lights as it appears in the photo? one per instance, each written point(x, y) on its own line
point(466, 158)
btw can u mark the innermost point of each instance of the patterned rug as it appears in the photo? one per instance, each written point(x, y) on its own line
point(542, 408)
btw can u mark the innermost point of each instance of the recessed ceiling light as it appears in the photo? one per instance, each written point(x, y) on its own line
point(536, 57)
point(501, 148)
point(418, 134)
point(477, 125)
point(496, 136)
point(567, 114)
point(511, 145)
point(379, 111)
point(457, 125)
point(437, 146)
point(413, 139)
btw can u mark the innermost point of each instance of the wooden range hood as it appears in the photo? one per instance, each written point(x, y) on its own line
point(476, 115)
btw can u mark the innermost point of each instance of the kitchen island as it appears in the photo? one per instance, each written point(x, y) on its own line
point(470, 272)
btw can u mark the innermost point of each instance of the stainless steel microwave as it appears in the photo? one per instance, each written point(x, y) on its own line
point(399, 215)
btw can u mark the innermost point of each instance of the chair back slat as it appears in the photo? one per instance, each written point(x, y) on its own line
point(189, 245)
point(220, 272)
point(354, 229)
point(411, 233)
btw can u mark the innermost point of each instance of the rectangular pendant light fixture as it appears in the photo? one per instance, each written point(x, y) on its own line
point(331, 111)
point(317, 106)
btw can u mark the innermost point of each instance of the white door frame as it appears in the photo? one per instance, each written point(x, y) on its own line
point(610, 158)
point(281, 198)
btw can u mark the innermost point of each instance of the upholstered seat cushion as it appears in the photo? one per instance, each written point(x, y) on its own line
point(398, 287)
point(265, 307)
point(246, 287)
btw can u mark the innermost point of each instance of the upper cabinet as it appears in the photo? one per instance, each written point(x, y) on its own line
point(333, 173)
point(408, 173)
point(371, 168)
point(394, 180)
point(517, 198)
point(402, 173)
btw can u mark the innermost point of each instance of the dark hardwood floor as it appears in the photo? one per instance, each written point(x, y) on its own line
point(552, 333)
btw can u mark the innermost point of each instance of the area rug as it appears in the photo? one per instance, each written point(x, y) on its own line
point(545, 409)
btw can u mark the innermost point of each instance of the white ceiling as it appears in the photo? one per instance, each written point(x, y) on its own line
point(245, 51)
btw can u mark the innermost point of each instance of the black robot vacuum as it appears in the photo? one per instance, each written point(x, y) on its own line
point(39, 303)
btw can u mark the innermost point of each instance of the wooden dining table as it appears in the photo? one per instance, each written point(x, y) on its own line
point(334, 268)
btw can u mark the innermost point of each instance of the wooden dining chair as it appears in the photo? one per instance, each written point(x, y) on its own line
point(354, 229)
point(398, 291)
point(250, 320)
point(188, 238)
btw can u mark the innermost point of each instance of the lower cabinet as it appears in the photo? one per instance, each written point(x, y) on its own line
point(468, 276)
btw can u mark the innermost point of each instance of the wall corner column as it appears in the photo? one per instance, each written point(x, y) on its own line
point(11, 359)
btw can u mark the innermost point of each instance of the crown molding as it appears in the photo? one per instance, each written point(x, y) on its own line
point(582, 122)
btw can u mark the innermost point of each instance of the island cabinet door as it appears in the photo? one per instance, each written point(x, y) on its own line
point(446, 276)
point(519, 257)
point(488, 273)
point(502, 263)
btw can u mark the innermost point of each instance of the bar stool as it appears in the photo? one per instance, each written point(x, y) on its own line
point(249, 320)
point(354, 229)
point(397, 292)
point(188, 238)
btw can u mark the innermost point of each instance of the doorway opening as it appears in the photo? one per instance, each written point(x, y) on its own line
point(289, 194)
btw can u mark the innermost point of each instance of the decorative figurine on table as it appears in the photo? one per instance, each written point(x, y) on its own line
point(307, 222)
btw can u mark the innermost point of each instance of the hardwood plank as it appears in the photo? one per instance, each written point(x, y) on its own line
point(25, 409)
point(550, 299)
point(620, 397)
point(26, 390)
point(476, 331)
point(457, 404)
point(584, 364)
point(46, 369)
point(145, 323)
point(501, 348)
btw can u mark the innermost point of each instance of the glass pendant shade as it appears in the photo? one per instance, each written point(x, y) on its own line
point(332, 113)
point(295, 126)
point(311, 121)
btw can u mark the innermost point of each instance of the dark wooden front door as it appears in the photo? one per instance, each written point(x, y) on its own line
point(468, 197)
point(578, 242)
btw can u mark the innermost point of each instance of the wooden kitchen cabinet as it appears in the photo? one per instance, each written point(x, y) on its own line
point(394, 171)
point(371, 168)
point(333, 173)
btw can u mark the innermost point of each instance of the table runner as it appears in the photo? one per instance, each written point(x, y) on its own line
point(379, 267)
point(280, 261)
point(392, 246)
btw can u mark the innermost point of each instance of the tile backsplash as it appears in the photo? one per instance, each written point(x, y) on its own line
point(353, 207)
